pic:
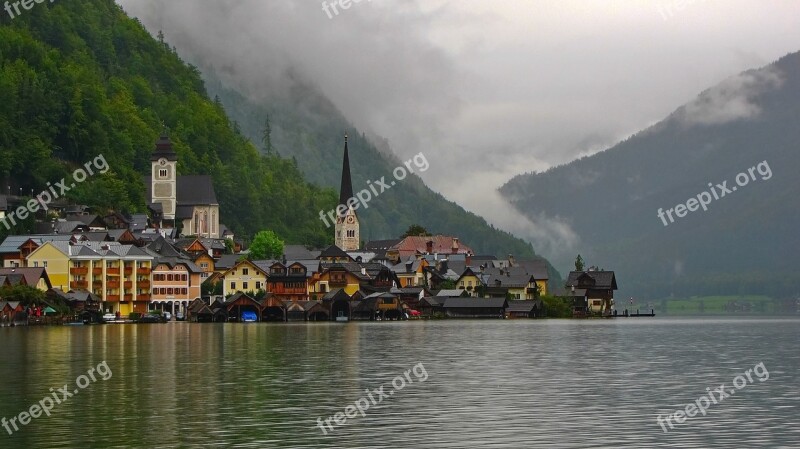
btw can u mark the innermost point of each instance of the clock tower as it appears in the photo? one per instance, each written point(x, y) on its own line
point(164, 178)
point(347, 227)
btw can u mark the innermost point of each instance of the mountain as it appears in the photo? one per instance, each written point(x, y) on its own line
point(306, 126)
point(80, 79)
point(742, 243)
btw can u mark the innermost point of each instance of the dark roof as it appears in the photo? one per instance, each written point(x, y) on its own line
point(537, 268)
point(293, 252)
point(592, 280)
point(139, 221)
point(523, 306)
point(335, 252)
point(346, 189)
point(192, 190)
point(164, 149)
point(30, 274)
point(380, 245)
point(475, 303)
point(227, 261)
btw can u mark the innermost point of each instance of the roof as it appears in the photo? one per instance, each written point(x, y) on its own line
point(30, 274)
point(537, 268)
point(227, 261)
point(381, 245)
point(475, 303)
point(592, 280)
point(346, 187)
point(450, 293)
point(523, 306)
point(334, 251)
point(192, 190)
point(164, 149)
point(138, 221)
point(12, 243)
point(442, 244)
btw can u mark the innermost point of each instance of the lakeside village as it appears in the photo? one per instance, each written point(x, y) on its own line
point(94, 269)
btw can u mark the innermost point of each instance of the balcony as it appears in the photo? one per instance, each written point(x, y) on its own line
point(112, 284)
point(128, 271)
point(143, 297)
point(112, 271)
point(143, 271)
point(80, 285)
point(128, 297)
point(144, 285)
point(128, 285)
point(97, 282)
point(337, 282)
point(79, 271)
point(112, 298)
point(97, 271)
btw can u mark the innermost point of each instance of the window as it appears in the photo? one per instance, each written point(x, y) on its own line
point(183, 291)
point(245, 271)
point(388, 300)
point(233, 285)
point(35, 264)
point(44, 264)
point(162, 173)
point(183, 277)
point(244, 285)
point(170, 291)
point(258, 285)
point(204, 265)
point(169, 277)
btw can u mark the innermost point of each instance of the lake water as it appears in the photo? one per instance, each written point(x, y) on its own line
point(548, 383)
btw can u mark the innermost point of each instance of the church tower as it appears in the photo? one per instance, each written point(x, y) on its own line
point(347, 227)
point(164, 177)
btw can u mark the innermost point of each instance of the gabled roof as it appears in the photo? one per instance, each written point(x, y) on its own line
point(604, 280)
point(524, 306)
point(227, 261)
point(334, 251)
point(31, 275)
point(163, 248)
point(450, 293)
point(336, 295)
point(299, 252)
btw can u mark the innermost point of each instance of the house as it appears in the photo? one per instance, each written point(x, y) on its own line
point(334, 254)
point(384, 306)
point(241, 303)
point(471, 282)
point(525, 309)
point(118, 274)
point(31, 276)
point(504, 284)
point(244, 276)
point(16, 248)
point(176, 282)
point(411, 273)
point(339, 304)
point(599, 289)
point(475, 307)
point(337, 276)
point(287, 281)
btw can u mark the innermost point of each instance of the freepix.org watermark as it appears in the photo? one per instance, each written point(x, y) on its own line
point(704, 199)
point(53, 192)
point(713, 397)
point(362, 198)
point(27, 5)
point(57, 397)
point(373, 397)
point(335, 4)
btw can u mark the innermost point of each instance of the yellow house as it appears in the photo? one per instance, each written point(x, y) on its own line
point(55, 261)
point(469, 281)
point(245, 276)
point(411, 273)
point(334, 277)
point(119, 274)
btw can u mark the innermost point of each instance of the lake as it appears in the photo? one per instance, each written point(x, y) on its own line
point(446, 384)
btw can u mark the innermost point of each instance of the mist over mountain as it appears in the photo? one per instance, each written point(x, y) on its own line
point(742, 244)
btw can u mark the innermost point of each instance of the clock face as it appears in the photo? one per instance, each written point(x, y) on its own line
point(351, 219)
point(162, 161)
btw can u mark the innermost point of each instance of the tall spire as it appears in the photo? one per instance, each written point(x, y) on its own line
point(346, 190)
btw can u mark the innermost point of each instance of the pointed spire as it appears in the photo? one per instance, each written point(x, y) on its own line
point(346, 190)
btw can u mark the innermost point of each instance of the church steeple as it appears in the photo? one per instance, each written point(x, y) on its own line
point(346, 189)
point(347, 226)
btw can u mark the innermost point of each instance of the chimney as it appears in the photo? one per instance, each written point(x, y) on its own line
point(511, 261)
point(455, 245)
point(429, 246)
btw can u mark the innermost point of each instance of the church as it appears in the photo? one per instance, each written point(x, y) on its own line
point(347, 226)
point(188, 202)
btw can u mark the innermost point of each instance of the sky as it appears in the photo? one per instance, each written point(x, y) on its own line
point(485, 89)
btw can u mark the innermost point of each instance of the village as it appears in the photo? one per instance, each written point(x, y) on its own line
point(180, 261)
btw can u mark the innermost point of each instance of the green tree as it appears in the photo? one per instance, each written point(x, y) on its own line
point(266, 245)
point(579, 263)
point(415, 230)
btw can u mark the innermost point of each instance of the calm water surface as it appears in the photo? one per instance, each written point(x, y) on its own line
point(508, 384)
